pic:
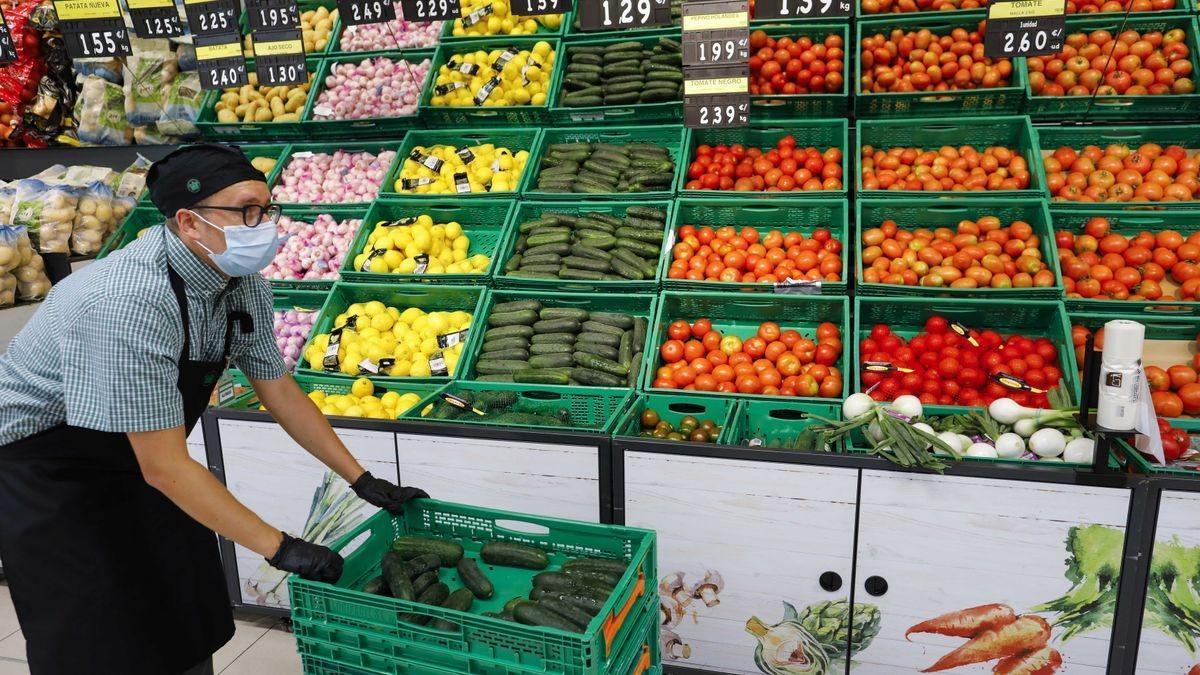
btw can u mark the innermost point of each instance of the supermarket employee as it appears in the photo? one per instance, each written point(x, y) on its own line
point(106, 524)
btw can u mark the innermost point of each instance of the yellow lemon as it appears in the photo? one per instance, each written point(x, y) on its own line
point(362, 387)
point(382, 321)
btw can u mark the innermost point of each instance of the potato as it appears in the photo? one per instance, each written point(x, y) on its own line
point(262, 115)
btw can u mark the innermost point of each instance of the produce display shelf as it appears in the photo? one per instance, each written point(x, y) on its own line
point(672, 408)
point(545, 649)
point(821, 133)
point(780, 107)
point(527, 210)
point(338, 128)
point(1124, 107)
point(926, 104)
point(931, 213)
point(787, 215)
point(635, 113)
point(291, 130)
point(775, 423)
point(308, 214)
point(484, 222)
point(463, 116)
point(740, 314)
point(334, 385)
point(668, 136)
point(1015, 132)
point(590, 410)
point(330, 147)
point(515, 139)
point(1129, 221)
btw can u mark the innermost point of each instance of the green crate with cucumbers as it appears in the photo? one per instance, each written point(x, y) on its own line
point(552, 595)
point(619, 79)
point(784, 425)
point(591, 410)
point(607, 163)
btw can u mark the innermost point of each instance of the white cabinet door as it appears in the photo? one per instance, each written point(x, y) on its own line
point(545, 479)
point(769, 530)
point(944, 544)
point(195, 445)
point(273, 476)
point(1173, 593)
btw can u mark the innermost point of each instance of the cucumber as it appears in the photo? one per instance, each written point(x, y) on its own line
point(395, 573)
point(564, 313)
point(459, 600)
point(602, 338)
point(558, 249)
point(543, 376)
point(628, 257)
point(658, 95)
point(503, 344)
point(530, 274)
point(532, 614)
point(517, 305)
point(426, 562)
point(580, 275)
point(580, 99)
point(450, 552)
point(627, 46)
point(524, 317)
point(622, 99)
point(634, 366)
point(566, 610)
point(548, 268)
point(376, 586)
point(560, 338)
point(508, 554)
point(595, 378)
point(558, 582)
point(596, 564)
point(597, 578)
point(591, 326)
point(588, 604)
point(495, 377)
point(550, 238)
point(628, 55)
point(557, 326)
point(581, 57)
point(603, 243)
point(513, 331)
point(600, 363)
point(640, 327)
point(498, 367)
point(507, 355)
point(626, 270)
point(647, 212)
point(597, 349)
point(625, 349)
point(512, 603)
point(551, 348)
point(434, 596)
point(513, 263)
point(581, 263)
point(602, 168)
point(551, 361)
point(642, 248)
point(641, 234)
point(624, 79)
point(541, 259)
point(421, 583)
point(584, 251)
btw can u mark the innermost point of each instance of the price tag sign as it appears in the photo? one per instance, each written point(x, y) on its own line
point(716, 32)
point(534, 7)
point(211, 17)
point(802, 9)
point(154, 18)
point(425, 11)
point(716, 97)
point(597, 15)
point(269, 15)
point(220, 62)
point(279, 58)
point(1025, 28)
point(8, 51)
point(92, 28)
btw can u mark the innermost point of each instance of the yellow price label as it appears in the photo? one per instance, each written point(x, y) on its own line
point(716, 21)
point(716, 85)
point(149, 4)
point(1024, 9)
point(221, 51)
point(278, 48)
point(78, 10)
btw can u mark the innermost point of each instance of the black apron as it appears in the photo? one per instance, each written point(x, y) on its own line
point(107, 575)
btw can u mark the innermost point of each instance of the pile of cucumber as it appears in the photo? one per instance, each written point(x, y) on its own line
point(527, 342)
point(589, 247)
point(567, 599)
point(623, 73)
point(497, 407)
point(600, 168)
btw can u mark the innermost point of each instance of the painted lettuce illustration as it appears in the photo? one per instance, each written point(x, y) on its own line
point(1173, 592)
point(1094, 569)
point(812, 641)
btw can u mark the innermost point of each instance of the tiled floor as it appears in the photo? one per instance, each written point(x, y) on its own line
point(261, 645)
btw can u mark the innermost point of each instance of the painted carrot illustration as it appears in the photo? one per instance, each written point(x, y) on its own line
point(967, 622)
point(1026, 633)
point(1195, 670)
point(1044, 661)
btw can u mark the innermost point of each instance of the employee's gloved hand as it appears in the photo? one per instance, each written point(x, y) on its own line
point(384, 494)
point(311, 561)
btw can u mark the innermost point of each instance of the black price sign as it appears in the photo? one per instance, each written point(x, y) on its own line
point(8, 51)
point(279, 58)
point(802, 9)
point(614, 14)
point(535, 7)
point(272, 14)
point(92, 28)
point(716, 32)
point(1025, 28)
point(159, 21)
point(361, 12)
point(424, 11)
point(716, 97)
point(211, 17)
point(220, 62)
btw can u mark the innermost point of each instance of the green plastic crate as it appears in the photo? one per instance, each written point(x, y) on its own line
point(673, 408)
point(926, 104)
point(427, 297)
point(336, 385)
point(1129, 221)
point(634, 305)
point(668, 136)
point(906, 317)
point(933, 213)
point(1014, 132)
point(302, 7)
point(485, 223)
point(1051, 138)
point(1147, 465)
point(515, 139)
point(545, 649)
point(775, 423)
point(301, 299)
point(1124, 108)
point(801, 215)
point(823, 134)
point(741, 314)
point(309, 214)
point(592, 410)
point(513, 115)
point(210, 128)
point(634, 113)
point(390, 44)
point(448, 36)
point(528, 210)
point(776, 107)
point(373, 147)
point(127, 232)
point(362, 127)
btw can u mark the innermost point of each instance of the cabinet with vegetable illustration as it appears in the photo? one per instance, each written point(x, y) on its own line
point(1170, 639)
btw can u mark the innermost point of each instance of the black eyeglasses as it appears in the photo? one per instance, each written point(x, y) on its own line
point(252, 214)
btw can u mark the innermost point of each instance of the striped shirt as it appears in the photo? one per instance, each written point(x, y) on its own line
point(102, 352)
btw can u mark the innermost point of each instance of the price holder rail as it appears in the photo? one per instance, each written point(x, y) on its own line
point(612, 15)
point(716, 97)
point(219, 61)
point(716, 32)
point(93, 28)
point(155, 18)
point(1025, 28)
point(279, 58)
point(8, 50)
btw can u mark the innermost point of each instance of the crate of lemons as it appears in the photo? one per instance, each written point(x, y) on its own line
point(422, 247)
point(487, 168)
point(483, 18)
point(495, 76)
point(362, 400)
point(396, 342)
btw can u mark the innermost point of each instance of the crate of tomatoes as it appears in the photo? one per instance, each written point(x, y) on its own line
point(1155, 164)
point(798, 71)
point(868, 8)
point(750, 345)
point(895, 82)
point(1138, 263)
point(1117, 68)
point(784, 245)
point(803, 159)
point(999, 248)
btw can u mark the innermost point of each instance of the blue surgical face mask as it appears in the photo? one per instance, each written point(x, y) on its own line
point(247, 249)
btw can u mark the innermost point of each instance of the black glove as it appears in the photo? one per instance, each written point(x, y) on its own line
point(385, 495)
point(311, 561)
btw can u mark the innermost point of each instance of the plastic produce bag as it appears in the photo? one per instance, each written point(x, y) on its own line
point(47, 210)
point(95, 218)
point(8, 199)
point(150, 74)
point(100, 113)
point(181, 106)
point(32, 282)
point(109, 69)
point(8, 290)
point(12, 238)
point(132, 180)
